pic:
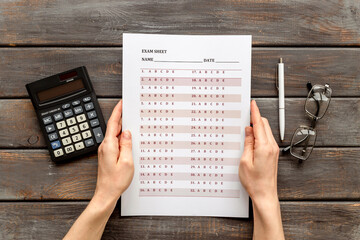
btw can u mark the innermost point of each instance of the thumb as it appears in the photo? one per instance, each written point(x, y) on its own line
point(125, 146)
point(248, 153)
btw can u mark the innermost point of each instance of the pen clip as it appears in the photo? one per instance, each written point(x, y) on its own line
point(277, 74)
point(276, 78)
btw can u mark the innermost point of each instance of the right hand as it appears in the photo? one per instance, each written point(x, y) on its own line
point(259, 162)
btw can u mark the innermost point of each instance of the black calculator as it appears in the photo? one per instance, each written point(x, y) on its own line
point(69, 113)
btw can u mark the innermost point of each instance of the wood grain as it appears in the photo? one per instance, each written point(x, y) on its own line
point(293, 22)
point(338, 67)
point(31, 175)
point(339, 127)
point(58, 35)
point(329, 174)
point(301, 220)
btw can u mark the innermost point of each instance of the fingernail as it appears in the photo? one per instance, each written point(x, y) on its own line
point(127, 134)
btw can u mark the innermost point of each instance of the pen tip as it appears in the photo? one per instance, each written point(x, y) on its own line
point(280, 60)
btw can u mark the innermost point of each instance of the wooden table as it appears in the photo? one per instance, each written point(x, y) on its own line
point(318, 40)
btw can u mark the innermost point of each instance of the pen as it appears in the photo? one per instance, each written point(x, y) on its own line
point(281, 90)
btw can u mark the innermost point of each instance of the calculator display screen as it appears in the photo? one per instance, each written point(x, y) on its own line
point(62, 90)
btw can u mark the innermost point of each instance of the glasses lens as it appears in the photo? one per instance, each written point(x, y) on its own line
point(318, 101)
point(303, 142)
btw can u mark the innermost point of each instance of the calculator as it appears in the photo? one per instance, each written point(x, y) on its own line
point(69, 113)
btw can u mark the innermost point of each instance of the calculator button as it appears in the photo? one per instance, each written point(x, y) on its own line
point(69, 149)
point(89, 142)
point(58, 116)
point(86, 99)
point(91, 115)
point(64, 133)
point(75, 103)
point(58, 152)
point(89, 106)
point(84, 126)
point(47, 120)
point(60, 125)
point(78, 110)
point(71, 121)
point(79, 145)
point(98, 134)
point(66, 141)
point(74, 129)
point(81, 118)
point(50, 128)
point(66, 106)
point(68, 113)
point(76, 137)
point(53, 136)
point(86, 134)
point(55, 144)
point(94, 122)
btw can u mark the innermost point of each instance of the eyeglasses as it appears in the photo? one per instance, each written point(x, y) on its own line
point(316, 105)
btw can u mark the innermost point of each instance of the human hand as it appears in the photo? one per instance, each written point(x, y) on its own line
point(259, 162)
point(115, 172)
point(115, 164)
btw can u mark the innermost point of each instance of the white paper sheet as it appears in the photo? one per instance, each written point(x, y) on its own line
point(186, 100)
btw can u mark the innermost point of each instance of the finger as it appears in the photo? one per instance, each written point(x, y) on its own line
point(268, 131)
point(272, 141)
point(125, 146)
point(120, 126)
point(248, 154)
point(258, 126)
point(120, 121)
point(109, 151)
point(112, 129)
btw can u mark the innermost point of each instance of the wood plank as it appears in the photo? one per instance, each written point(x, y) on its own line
point(31, 175)
point(24, 65)
point(292, 22)
point(330, 173)
point(338, 67)
point(20, 127)
point(301, 220)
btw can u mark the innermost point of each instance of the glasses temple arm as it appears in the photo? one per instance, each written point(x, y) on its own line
point(288, 147)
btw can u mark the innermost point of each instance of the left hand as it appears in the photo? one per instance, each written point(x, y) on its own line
point(115, 167)
point(115, 172)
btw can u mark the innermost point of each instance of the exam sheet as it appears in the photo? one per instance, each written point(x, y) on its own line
point(186, 101)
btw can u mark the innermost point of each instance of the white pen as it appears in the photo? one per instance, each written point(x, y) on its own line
point(281, 89)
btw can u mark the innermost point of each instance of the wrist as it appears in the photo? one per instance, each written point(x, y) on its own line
point(266, 211)
point(266, 203)
point(103, 203)
point(267, 218)
point(264, 196)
